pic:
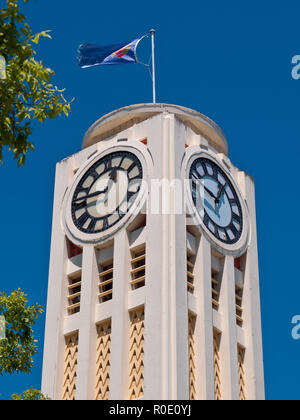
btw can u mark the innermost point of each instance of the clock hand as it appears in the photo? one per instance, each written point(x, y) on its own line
point(91, 195)
point(218, 205)
point(112, 177)
point(209, 192)
point(220, 192)
point(113, 174)
point(208, 204)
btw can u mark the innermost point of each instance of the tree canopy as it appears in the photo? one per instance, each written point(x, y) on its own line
point(19, 346)
point(26, 93)
point(30, 395)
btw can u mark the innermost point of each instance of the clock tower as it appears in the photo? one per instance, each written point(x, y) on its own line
point(153, 285)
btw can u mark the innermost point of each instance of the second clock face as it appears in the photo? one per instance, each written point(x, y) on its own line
point(106, 192)
point(216, 200)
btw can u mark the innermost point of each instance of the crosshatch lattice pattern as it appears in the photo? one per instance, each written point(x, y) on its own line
point(136, 354)
point(241, 359)
point(217, 365)
point(192, 369)
point(70, 370)
point(103, 360)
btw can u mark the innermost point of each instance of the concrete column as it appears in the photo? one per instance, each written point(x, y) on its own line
point(56, 301)
point(204, 322)
point(119, 373)
point(176, 246)
point(254, 371)
point(228, 345)
point(166, 315)
point(86, 363)
point(155, 310)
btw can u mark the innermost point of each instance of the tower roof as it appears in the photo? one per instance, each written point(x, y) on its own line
point(123, 118)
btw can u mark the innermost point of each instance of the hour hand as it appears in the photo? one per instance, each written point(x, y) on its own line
point(95, 194)
point(112, 177)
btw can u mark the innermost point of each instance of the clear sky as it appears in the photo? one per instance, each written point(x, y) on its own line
point(229, 60)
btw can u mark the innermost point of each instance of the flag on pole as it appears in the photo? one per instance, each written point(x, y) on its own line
point(95, 55)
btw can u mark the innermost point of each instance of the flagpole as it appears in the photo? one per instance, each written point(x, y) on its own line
point(152, 32)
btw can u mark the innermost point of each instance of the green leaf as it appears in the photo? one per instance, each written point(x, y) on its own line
point(28, 92)
point(30, 395)
point(19, 347)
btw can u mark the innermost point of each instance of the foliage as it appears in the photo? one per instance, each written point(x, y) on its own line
point(30, 395)
point(26, 93)
point(19, 346)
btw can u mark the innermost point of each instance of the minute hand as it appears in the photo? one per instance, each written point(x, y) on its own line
point(209, 192)
point(112, 180)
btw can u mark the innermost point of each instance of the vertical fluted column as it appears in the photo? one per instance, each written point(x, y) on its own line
point(204, 322)
point(120, 319)
point(253, 363)
point(228, 343)
point(86, 377)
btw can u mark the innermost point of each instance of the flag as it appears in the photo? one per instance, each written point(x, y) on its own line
point(95, 55)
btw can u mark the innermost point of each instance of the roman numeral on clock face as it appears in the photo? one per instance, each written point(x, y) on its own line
point(92, 225)
point(108, 165)
point(236, 217)
point(79, 205)
point(105, 223)
point(83, 219)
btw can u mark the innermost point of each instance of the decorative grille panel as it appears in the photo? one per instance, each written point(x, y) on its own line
point(103, 360)
point(70, 370)
point(189, 272)
point(136, 356)
point(217, 365)
point(138, 271)
point(192, 369)
point(241, 359)
point(106, 281)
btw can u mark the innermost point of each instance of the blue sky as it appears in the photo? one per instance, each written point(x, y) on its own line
point(229, 60)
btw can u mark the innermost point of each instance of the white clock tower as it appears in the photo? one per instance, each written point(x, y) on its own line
point(153, 285)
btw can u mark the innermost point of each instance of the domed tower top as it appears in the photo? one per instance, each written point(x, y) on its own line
point(123, 118)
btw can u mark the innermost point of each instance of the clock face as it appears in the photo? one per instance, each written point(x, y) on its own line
point(106, 192)
point(216, 200)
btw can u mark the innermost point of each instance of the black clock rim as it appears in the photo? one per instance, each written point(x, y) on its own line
point(84, 177)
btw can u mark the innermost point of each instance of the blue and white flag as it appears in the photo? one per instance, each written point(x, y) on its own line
point(95, 55)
